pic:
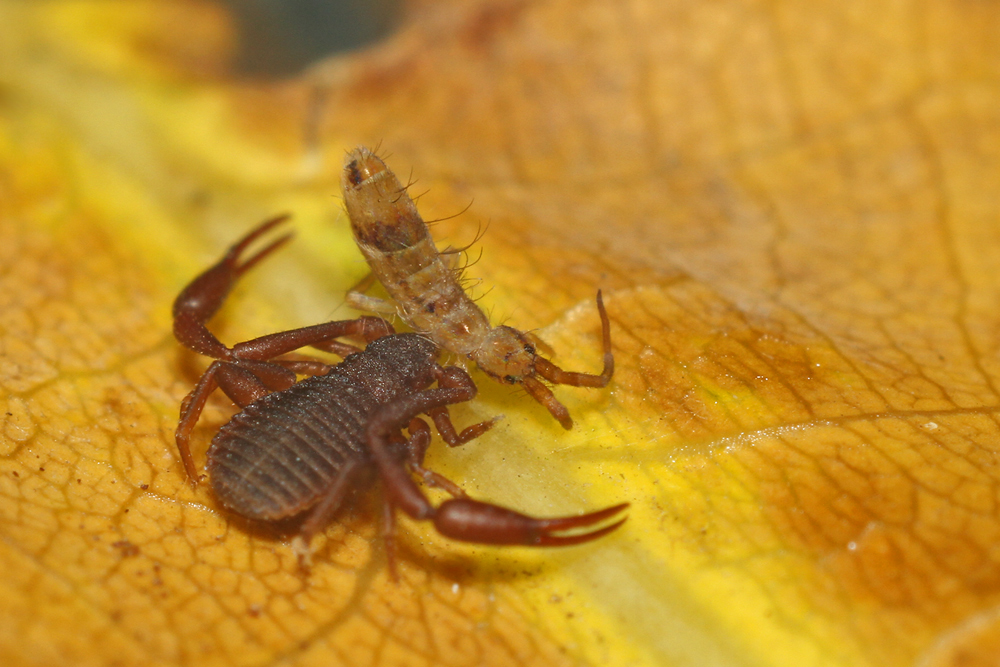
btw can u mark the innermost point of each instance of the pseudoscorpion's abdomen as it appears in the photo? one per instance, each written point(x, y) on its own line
point(277, 457)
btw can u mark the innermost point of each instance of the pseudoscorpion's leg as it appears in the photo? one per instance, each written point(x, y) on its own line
point(416, 446)
point(323, 512)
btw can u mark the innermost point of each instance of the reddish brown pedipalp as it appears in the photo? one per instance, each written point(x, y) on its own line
point(251, 369)
point(296, 447)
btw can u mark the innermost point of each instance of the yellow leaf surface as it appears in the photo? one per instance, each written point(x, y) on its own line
point(792, 210)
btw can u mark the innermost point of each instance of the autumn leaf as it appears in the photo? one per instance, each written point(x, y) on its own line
point(792, 211)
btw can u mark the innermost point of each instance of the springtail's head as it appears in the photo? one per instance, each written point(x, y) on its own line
point(508, 356)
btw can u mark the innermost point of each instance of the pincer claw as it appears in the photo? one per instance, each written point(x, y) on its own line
point(473, 521)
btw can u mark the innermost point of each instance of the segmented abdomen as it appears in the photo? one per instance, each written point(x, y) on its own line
point(401, 253)
point(278, 455)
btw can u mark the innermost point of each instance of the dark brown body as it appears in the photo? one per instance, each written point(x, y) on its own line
point(280, 454)
point(299, 447)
